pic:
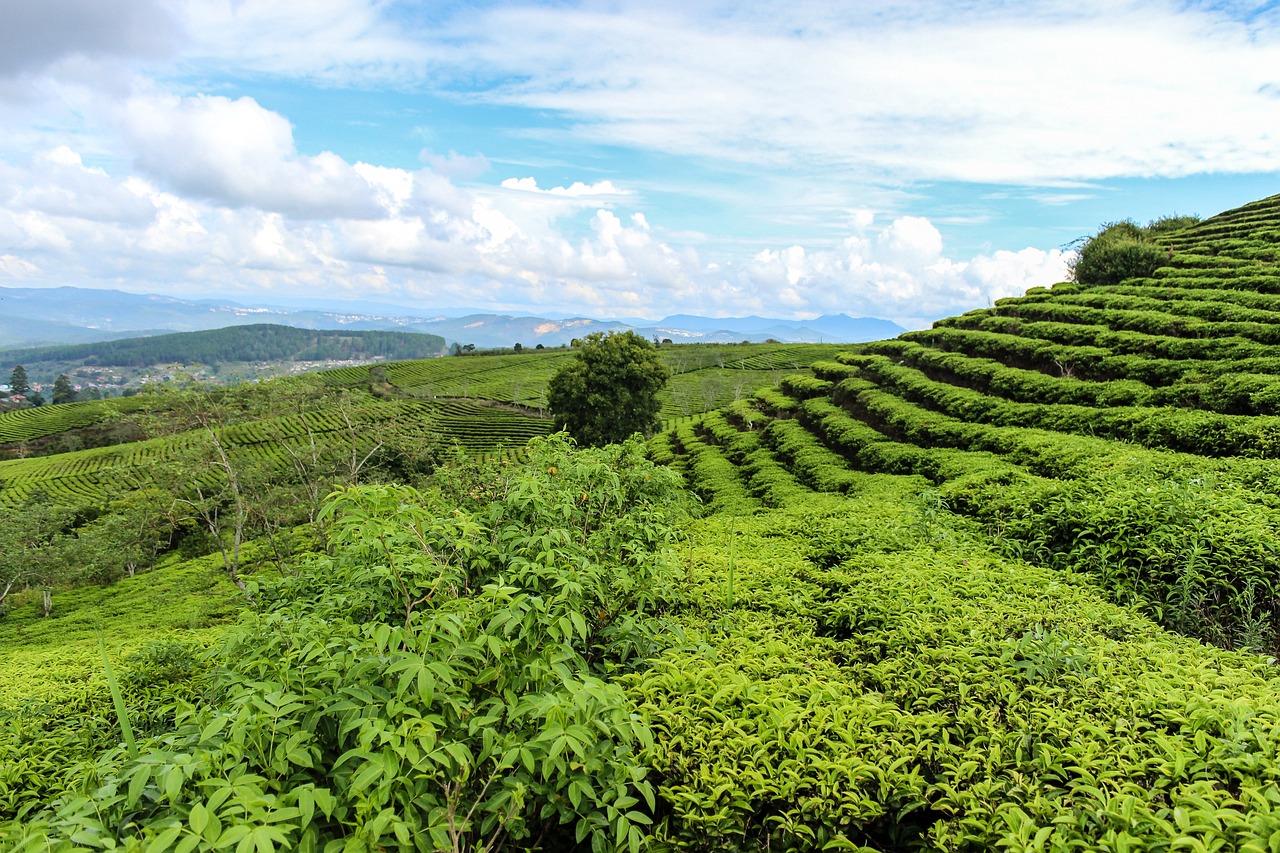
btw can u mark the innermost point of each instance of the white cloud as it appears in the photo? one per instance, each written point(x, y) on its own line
point(237, 153)
point(210, 193)
point(455, 165)
point(393, 187)
point(59, 184)
point(911, 241)
point(341, 41)
point(575, 190)
point(41, 233)
point(900, 273)
point(15, 267)
point(987, 92)
point(436, 242)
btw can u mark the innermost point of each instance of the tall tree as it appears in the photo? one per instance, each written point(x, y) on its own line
point(18, 383)
point(610, 390)
point(63, 390)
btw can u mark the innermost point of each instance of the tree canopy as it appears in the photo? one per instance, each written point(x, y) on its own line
point(610, 390)
point(63, 390)
point(18, 383)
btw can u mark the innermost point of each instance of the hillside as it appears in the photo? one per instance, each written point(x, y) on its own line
point(704, 377)
point(1083, 427)
point(230, 350)
point(1008, 583)
point(260, 342)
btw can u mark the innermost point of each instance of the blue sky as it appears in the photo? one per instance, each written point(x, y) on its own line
point(906, 160)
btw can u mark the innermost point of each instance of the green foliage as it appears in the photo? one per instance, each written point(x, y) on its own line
point(24, 425)
point(1198, 554)
point(1124, 250)
point(917, 613)
point(33, 539)
point(339, 435)
point(441, 681)
point(1192, 431)
point(47, 738)
point(56, 710)
point(18, 382)
point(711, 476)
point(610, 390)
point(871, 691)
point(63, 391)
point(703, 376)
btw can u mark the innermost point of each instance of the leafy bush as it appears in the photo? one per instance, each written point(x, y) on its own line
point(1195, 551)
point(441, 679)
point(869, 691)
point(1122, 250)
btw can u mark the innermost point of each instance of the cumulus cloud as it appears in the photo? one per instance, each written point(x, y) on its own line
point(60, 184)
point(437, 243)
point(899, 272)
point(205, 192)
point(911, 241)
point(238, 153)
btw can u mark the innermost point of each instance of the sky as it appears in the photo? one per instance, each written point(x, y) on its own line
point(904, 160)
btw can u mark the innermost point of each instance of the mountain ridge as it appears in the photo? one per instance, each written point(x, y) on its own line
point(66, 314)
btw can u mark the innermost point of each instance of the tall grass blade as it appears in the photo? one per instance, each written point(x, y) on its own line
point(122, 713)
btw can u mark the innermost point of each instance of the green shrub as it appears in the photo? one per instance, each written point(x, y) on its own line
point(1119, 251)
point(441, 679)
point(872, 692)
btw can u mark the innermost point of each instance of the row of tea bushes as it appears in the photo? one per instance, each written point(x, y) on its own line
point(1188, 430)
point(869, 686)
point(1120, 514)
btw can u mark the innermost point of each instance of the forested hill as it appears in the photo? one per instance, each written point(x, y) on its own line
point(261, 342)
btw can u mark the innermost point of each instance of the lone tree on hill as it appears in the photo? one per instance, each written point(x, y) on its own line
point(18, 383)
point(610, 390)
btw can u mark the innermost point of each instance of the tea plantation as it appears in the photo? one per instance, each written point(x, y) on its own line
point(1008, 583)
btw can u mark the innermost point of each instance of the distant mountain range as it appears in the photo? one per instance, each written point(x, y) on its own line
point(64, 315)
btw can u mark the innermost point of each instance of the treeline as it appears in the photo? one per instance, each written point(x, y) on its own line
point(258, 342)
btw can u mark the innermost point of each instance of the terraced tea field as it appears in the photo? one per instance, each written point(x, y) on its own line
point(1034, 416)
point(704, 377)
point(87, 476)
point(27, 424)
point(452, 398)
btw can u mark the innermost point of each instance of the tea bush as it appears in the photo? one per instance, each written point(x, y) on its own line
point(1122, 250)
point(872, 687)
